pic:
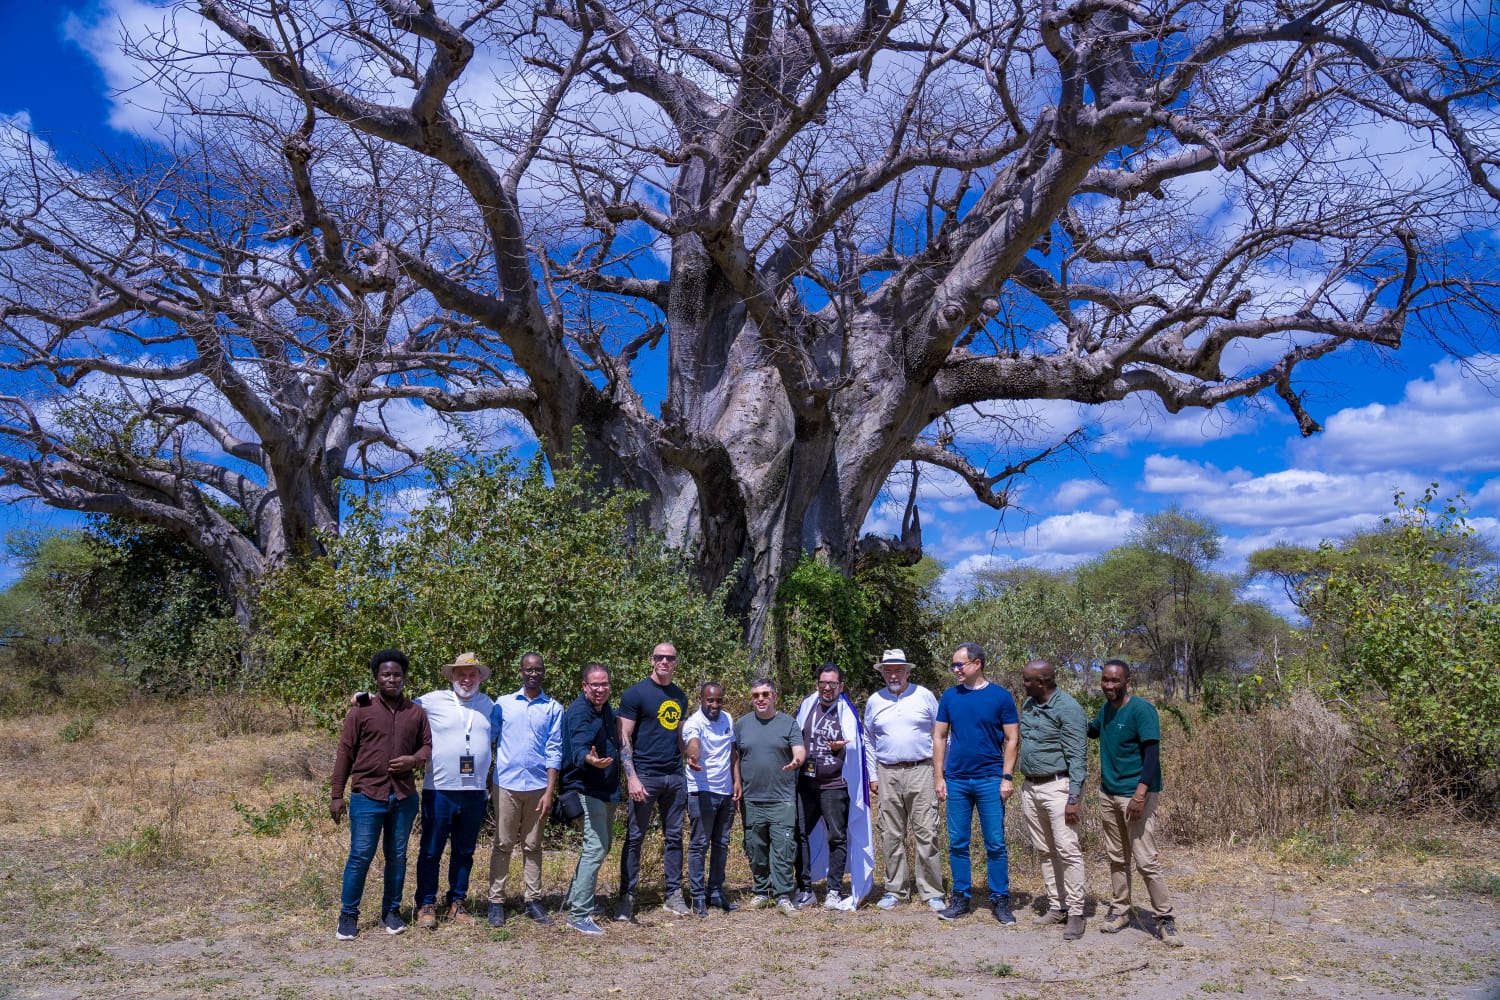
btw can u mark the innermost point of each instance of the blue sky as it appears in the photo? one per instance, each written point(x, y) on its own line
point(1391, 421)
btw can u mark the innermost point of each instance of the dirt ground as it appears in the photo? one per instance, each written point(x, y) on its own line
point(126, 871)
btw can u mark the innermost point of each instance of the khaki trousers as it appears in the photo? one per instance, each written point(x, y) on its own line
point(1133, 843)
point(1044, 806)
point(517, 822)
point(909, 803)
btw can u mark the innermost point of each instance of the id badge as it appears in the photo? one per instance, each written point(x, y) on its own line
point(466, 765)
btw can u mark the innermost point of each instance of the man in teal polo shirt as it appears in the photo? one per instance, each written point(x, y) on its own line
point(1129, 734)
point(1054, 758)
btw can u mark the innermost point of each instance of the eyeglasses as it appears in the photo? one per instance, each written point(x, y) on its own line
point(828, 684)
point(758, 695)
point(598, 686)
point(669, 657)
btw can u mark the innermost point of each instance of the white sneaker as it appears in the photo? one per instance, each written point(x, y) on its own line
point(761, 902)
point(889, 901)
point(832, 900)
point(937, 904)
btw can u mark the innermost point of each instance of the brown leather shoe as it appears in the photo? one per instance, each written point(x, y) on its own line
point(459, 914)
point(1051, 917)
point(1074, 930)
point(427, 917)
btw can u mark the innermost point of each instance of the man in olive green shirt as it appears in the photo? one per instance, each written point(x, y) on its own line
point(1054, 758)
point(1129, 734)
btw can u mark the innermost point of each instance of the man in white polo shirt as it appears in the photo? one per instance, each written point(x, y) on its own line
point(899, 719)
point(713, 796)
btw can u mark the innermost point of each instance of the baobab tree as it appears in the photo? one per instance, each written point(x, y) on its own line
point(841, 228)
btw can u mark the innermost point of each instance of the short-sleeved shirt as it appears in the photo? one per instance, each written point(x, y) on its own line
point(766, 747)
point(1122, 734)
point(716, 742)
point(976, 735)
point(658, 713)
point(901, 724)
point(459, 729)
point(825, 765)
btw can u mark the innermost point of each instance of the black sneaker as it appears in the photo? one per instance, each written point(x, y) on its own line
point(957, 907)
point(803, 897)
point(496, 915)
point(1000, 907)
point(626, 908)
point(393, 923)
point(700, 906)
point(722, 902)
point(538, 913)
point(348, 927)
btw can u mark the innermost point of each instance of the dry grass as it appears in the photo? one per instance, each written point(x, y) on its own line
point(133, 875)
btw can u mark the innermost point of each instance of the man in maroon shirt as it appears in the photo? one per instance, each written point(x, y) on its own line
point(382, 744)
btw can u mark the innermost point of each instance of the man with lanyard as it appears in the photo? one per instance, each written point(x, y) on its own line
point(713, 796)
point(1129, 734)
point(453, 790)
point(590, 750)
point(833, 801)
point(771, 753)
point(528, 725)
point(651, 714)
point(899, 718)
point(1054, 759)
point(382, 743)
point(973, 773)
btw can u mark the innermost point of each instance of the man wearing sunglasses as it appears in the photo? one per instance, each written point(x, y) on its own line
point(771, 751)
point(651, 716)
point(974, 746)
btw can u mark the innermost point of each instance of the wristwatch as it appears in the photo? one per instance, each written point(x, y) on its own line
point(1006, 777)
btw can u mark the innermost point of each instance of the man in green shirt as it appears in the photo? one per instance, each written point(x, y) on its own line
point(771, 750)
point(1129, 734)
point(1054, 758)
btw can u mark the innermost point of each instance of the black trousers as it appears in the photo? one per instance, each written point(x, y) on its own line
point(831, 805)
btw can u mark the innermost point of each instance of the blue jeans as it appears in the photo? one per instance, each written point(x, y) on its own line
point(448, 818)
point(965, 795)
point(713, 819)
point(374, 822)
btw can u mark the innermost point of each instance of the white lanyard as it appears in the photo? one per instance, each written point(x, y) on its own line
point(469, 726)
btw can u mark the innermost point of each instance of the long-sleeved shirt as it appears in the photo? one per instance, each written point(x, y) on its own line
point(530, 740)
point(589, 730)
point(1054, 739)
point(373, 735)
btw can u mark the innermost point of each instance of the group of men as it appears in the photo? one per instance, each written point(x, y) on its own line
point(804, 786)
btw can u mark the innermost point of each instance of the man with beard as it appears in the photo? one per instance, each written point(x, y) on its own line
point(833, 797)
point(713, 796)
point(899, 718)
point(590, 751)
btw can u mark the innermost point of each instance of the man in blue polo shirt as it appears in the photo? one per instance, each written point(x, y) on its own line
point(974, 745)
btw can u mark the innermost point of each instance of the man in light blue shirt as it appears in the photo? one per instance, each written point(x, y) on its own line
point(528, 756)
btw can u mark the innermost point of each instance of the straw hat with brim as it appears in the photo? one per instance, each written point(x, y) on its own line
point(894, 658)
point(467, 660)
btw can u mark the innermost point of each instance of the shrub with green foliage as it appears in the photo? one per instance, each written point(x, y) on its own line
point(499, 561)
point(1413, 642)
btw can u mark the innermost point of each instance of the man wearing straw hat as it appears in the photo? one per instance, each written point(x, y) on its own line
point(899, 718)
point(453, 790)
point(528, 757)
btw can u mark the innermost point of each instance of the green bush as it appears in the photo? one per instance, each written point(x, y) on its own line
point(500, 561)
point(272, 821)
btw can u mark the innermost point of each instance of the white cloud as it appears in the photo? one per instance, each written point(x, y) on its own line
point(1169, 474)
point(1443, 423)
point(1077, 492)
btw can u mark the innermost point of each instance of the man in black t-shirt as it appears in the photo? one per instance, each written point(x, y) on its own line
point(651, 715)
point(822, 791)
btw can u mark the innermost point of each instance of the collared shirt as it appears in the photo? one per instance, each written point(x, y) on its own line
point(1054, 738)
point(373, 735)
point(530, 735)
point(900, 725)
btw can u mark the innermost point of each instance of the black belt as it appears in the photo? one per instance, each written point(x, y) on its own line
point(1037, 779)
point(909, 763)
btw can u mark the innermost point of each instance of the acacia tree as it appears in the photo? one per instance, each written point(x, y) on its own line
point(845, 227)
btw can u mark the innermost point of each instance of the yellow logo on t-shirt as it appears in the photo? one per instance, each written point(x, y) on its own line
point(669, 714)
